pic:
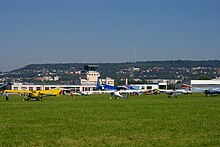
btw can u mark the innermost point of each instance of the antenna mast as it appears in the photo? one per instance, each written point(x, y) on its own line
point(135, 51)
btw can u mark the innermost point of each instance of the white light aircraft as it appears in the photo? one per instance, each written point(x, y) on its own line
point(176, 92)
point(115, 91)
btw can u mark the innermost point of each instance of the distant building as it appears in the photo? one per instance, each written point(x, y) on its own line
point(1, 81)
point(56, 78)
point(168, 81)
point(150, 86)
point(48, 78)
point(135, 69)
point(145, 86)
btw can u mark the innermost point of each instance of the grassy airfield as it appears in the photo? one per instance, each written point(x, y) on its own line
point(96, 120)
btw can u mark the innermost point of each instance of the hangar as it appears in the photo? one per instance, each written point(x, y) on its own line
point(149, 86)
point(201, 85)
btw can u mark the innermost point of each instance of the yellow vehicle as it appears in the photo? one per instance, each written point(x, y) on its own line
point(35, 94)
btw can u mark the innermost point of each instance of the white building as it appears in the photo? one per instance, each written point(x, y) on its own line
point(168, 81)
point(150, 86)
point(201, 85)
point(21, 86)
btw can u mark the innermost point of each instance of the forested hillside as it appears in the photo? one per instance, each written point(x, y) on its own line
point(136, 72)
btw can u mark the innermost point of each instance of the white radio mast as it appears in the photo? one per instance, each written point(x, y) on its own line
point(135, 51)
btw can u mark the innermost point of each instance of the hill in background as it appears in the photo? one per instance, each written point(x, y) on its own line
point(136, 72)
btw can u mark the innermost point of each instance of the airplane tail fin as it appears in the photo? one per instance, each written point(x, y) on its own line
point(4, 85)
point(99, 83)
point(185, 86)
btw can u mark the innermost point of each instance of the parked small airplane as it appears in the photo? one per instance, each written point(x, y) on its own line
point(183, 89)
point(35, 94)
point(68, 91)
point(118, 91)
point(106, 87)
point(212, 92)
point(115, 91)
point(176, 92)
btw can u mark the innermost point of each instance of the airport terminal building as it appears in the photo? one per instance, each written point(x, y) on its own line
point(21, 86)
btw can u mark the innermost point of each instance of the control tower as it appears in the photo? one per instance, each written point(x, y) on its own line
point(90, 75)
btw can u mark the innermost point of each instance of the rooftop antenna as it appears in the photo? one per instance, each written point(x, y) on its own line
point(135, 51)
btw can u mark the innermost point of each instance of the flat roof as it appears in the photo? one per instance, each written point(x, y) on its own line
point(205, 82)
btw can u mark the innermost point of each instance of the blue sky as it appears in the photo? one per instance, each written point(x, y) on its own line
point(69, 31)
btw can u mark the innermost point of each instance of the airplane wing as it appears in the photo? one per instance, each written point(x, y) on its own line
point(97, 92)
point(54, 92)
point(18, 91)
point(124, 91)
point(165, 91)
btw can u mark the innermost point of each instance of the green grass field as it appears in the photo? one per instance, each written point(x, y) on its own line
point(99, 121)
